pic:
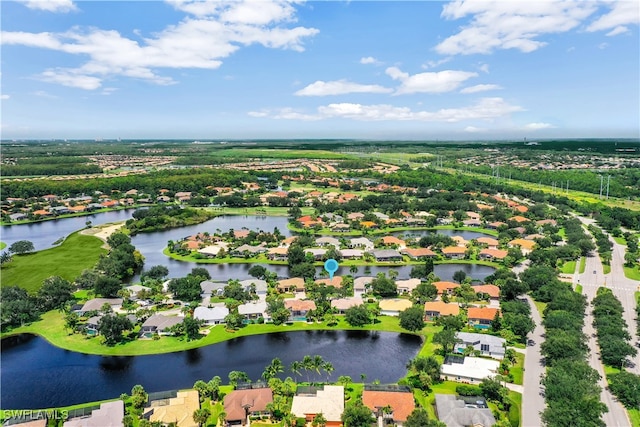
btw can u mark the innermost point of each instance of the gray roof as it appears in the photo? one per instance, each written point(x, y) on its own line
point(328, 240)
point(386, 253)
point(161, 322)
point(209, 287)
point(261, 285)
point(110, 414)
point(362, 282)
point(250, 249)
point(208, 314)
point(496, 344)
point(454, 413)
point(97, 303)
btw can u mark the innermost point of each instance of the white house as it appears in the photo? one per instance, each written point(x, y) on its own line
point(211, 316)
point(472, 369)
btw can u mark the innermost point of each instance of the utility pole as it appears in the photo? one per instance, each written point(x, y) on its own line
point(608, 179)
point(601, 177)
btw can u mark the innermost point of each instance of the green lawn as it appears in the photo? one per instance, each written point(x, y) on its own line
point(632, 273)
point(578, 289)
point(2, 245)
point(634, 416)
point(540, 306)
point(606, 268)
point(583, 264)
point(517, 369)
point(568, 267)
point(620, 240)
point(51, 327)
point(76, 253)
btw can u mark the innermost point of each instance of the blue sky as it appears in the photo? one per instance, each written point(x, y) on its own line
point(278, 69)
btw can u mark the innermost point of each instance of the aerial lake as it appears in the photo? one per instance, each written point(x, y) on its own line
point(34, 374)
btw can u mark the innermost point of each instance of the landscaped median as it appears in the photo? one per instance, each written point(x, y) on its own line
point(52, 328)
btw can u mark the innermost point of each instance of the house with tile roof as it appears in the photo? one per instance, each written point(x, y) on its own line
point(394, 306)
point(239, 405)
point(492, 290)
point(455, 412)
point(435, 309)
point(299, 308)
point(401, 404)
point(329, 402)
point(444, 287)
point(343, 304)
point(481, 317)
point(454, 252)
point(419, 253)
point(487, 345)
point(294, 284)
point(492, 254)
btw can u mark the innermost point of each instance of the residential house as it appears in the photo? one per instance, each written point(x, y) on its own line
point(393, 241)
point(328, 241)
point(552, 222)
point(533, 236)
point(460, 241)
point(435, 309)
point(329, 402)
point(341, 227)
point(407, 286)
point(445, 287)
point(294, 284)
point(261, 286)
point(487, 345)
point(355, 216)
point(239, 405)
point(362, 243)
point(18, 216)
point(159, 324)
point(109, 414)
point(368, 224)
point(492, 254)
point(419, 253)
point(253, 310)
point(455, 412)
point(472, 223)
point(495, 225)
point(489, 241)
point(134, 291)
point(178, 410)
point(343, 304)
point(386, 255)
point(454, 252)
point(211, 316)
point(394, 306)
point(240, 234)
point(317, 253)
point(299, 308)
point(351, 253)
point(473, 215)
point(336, 282)
point(278, 254)
point(519, 219)
point(381, 216)
point(401, 404)
point(212, 289)
point(213, 251)
point(526, 246)
point(360, 284)
point(243, 250)
point(492, 290)
point(481, 317)
point(468, 369)
point(96, 304)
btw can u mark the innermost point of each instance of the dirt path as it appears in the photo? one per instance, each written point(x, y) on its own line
point(103, 232)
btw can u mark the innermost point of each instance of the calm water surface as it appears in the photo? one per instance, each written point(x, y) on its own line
point(35, 374)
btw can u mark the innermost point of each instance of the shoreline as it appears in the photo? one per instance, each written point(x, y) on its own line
point(217, 334)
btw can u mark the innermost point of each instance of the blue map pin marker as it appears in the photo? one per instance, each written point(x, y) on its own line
point(331, 265)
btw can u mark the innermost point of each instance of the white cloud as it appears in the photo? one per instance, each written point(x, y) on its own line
point(538, 125)
point(484, 68)
point(433, 64)
point(473, 129)
point(43, 94)
point(622, 12)
point(3, 96)
point(369, 60)
point(434, 82)
point(480, 88)
point(498, 24)
point(218, 30)
point(603, 45)
point(339, 87)
point(57, 6)
point(486, 108)
point(620, 29)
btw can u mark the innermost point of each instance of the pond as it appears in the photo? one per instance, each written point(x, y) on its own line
point(34, 374)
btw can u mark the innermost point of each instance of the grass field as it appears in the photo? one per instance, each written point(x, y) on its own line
point(578, 289)
point(516, 370)
point(583, 265)
point(76, 253)
point(620, 240)
point(632, 273)
point(2, 245)
point(606, 268)
point(51, 327)
point(568, 267)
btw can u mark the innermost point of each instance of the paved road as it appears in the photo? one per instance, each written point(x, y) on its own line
point(532, 397)
point(592, 278)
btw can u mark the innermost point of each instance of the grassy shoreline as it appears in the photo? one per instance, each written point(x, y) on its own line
point(51, 328)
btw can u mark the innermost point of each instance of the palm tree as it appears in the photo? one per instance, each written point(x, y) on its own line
point(273, 369)
point(318, 363)
point(296, 367)
point(319, 421)
point(328, 368)
point(201, 415)
point(222, 417)
point(307, 365)
point(353, 269)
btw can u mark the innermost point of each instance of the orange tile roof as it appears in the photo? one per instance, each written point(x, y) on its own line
point(525, 244)
point(453, 250)
point(495, 253)
point(492, 290)
point(445, 309)
point(401, 403)
point(77, 208)
point(392, 240)
point(368, 224)
point(518, 218)
point(483, 313)
point(41, 212)
point(488, 241)
point(521, 209)
point(445, 286)
point(299, 305)
point(294, 282)
point(336, 282)
point(419, 252)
